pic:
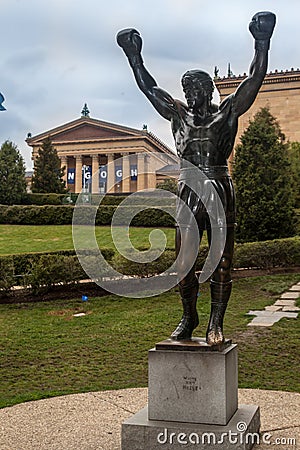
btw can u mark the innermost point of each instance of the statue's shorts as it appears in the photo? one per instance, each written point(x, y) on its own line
point(207, 196)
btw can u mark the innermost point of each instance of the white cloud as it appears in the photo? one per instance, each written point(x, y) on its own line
point(60, 54)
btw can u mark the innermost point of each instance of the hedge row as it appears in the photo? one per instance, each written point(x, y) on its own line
point(40, 271)
point(46, 199)
point(69, 198)
point(261, 255)
point(268, 254)
point(63, 215)
point(93, 199)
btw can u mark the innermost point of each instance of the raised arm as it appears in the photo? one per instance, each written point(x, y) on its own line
point(261, 27)
point(131, 43)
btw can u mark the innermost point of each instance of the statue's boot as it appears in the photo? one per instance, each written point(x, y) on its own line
point(190, 319)
point(220, 293)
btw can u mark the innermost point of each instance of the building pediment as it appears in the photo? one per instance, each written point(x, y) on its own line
point(83, 129)
point(88, 131)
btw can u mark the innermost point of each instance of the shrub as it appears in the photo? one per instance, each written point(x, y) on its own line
point(85, 214)
point(263, 255)
point(154, 218)
point(40, 271)
point(36, 215)
point(43, 270)
point(47, 271)
point(7, 279)
point(111, 200)
point(128, 267)
point(44, 199)
point(268, 254)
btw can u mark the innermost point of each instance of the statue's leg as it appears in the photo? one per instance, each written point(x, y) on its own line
point(220, 288)
point(188, 285)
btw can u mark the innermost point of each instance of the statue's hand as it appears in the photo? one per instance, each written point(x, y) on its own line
point(262, 25)
point(130, 41)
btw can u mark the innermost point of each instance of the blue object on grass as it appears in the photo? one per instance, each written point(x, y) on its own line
point(84, 298)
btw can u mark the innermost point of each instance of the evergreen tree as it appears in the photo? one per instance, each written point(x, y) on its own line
point(12, 174)
point(294, 160)
point(168, 185)
point(263, 182)
point(48, 175)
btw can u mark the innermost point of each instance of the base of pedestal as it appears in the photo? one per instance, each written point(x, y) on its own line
point(240, 433)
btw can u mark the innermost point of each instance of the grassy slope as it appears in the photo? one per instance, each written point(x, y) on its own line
point(39, 238)
point(45, 351)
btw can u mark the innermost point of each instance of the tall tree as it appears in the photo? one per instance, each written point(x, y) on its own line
point(168, 184)
point(263, 182)
point(12, 174)
point(294, 159)
point(48, 175)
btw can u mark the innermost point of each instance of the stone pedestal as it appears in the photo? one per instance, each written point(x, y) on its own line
point(193, 383)
point(192, 401)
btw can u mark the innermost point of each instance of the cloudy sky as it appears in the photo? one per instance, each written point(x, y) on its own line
point(56, 55)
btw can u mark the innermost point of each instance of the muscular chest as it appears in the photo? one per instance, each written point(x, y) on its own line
point(192, 127)
point(206, 136)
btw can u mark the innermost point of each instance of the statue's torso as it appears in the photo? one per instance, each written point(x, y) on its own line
point(206, 141)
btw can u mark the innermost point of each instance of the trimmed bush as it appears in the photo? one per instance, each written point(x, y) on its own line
point(40, 271)
point(7, 279)
point(63, 215)
point(111, 200)
point(44, 199)
point(49, 270)
point(268, 254)
point(148, 269)
point(262, 255)
point(36, 215)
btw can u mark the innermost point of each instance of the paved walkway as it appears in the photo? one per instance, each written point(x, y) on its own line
point(93, 421)
point(284, 307)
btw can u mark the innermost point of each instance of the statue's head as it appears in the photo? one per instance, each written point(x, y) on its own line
point(197, 86)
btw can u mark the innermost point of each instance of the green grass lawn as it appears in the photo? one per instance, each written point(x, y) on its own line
point(46, 351)
point(42, 238)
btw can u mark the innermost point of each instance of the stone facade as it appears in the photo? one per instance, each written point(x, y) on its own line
point(280, 91)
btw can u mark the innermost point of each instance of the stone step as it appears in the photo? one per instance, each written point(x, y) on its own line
point(285, 302)
point(296, 287)
point(291, 295)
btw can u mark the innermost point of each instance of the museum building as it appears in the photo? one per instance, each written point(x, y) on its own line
point(280, 91)
point(123, 159)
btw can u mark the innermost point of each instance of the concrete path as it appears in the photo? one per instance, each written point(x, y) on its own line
point(93, 421)
point(283, 307)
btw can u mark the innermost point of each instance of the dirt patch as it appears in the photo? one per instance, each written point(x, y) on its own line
point(251, 334)
point(61, 312)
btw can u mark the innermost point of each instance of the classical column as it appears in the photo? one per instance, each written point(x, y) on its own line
point(95, 174)
point(151, 171)
point(64, 163)
point(110, 181)
point(141, 172)
point(78, 173)
point(126, 172)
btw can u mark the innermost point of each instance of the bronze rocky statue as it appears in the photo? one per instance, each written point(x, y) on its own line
point(204, 135)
